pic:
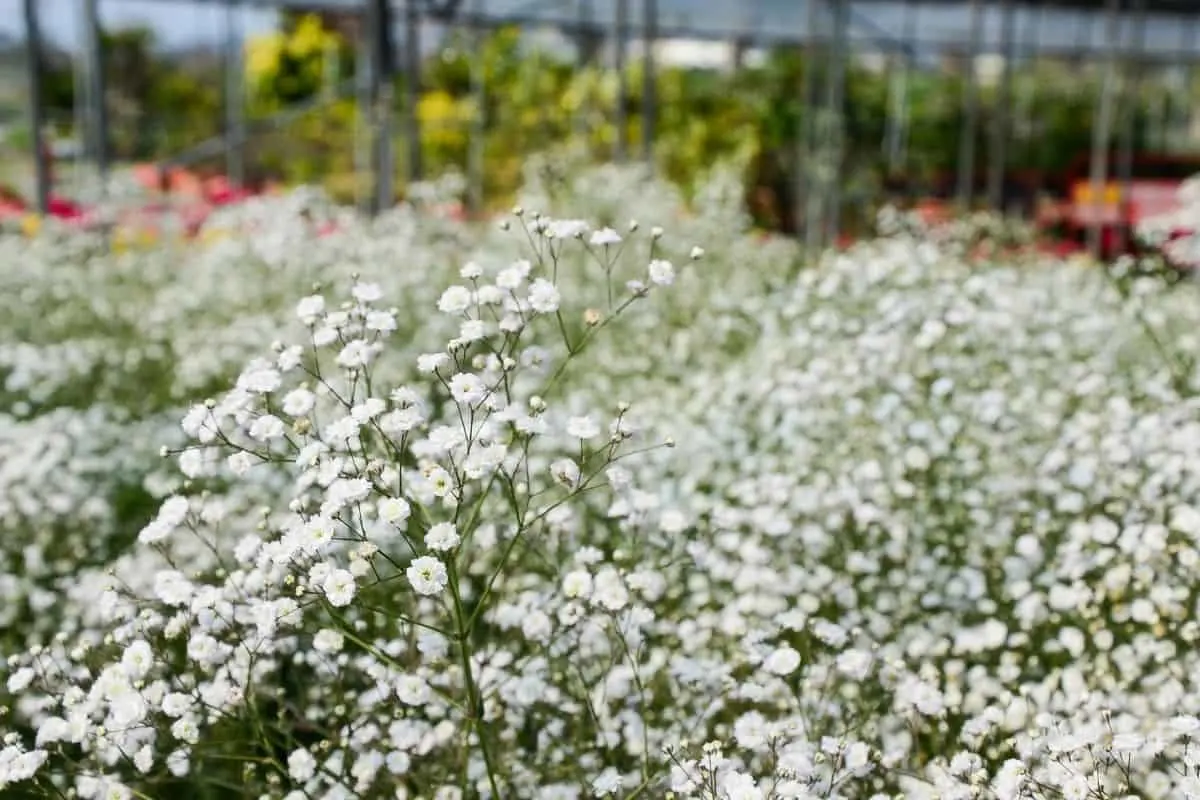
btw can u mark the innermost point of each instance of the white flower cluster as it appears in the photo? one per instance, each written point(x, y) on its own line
point(563, 509)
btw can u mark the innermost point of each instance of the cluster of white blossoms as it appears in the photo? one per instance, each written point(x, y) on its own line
point(572, 507)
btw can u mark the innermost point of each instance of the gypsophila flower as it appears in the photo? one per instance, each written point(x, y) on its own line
point(380, 321)
point(442, 537)
point(783, 661)
point(310, 308)
point(339, 588)
point(301, 765)
point(427, 575)
point(604, 237)
point(662, 272)
point(455, 300)
point(582, 428)
point(543, 296)
point(328, 641)
point(432, 362)
point(367, 292)
point(467, 388)
point(394, 510)
point(298, 402)
point(266, 428)
point(357, 354)
point(566, 472)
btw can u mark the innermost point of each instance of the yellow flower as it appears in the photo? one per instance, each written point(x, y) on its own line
point(31, 224)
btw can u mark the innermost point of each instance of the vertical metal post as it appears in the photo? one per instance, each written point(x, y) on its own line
point(896, 136)
point(235, 103)
point(33, 51)
point(1102, 127)
point(380, 88)
point(1189, 72)
point(1083, 38)
point(970, 99)
point(1000, 125)
point(806, 172)
point(97, 116)
point(1032, 49)
point(412, 84)
point(364, 127)
point(835, 133)
point(619, 33)
point(649, 79)
point(476, 141)
point(584, 54)
point(1129, 113)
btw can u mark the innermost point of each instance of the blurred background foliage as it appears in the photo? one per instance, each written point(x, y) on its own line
point(160, 103)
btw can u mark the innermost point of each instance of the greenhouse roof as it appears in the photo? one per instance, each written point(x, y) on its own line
point(1172, 28)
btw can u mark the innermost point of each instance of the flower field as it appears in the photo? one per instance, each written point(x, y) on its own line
point(569, 505)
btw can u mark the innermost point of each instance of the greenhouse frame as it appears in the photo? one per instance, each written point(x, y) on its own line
point(1133, 33)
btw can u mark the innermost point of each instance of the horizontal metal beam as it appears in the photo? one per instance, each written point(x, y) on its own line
point(1180, 7)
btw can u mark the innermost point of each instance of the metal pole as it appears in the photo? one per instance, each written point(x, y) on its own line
point(806, 172)
point(896, 137)
point(970, 99)
point(1102, 127)
point(585, 53)
point(1193, 30)
point(380, 89)
point(235, 104)
point(97, 126)
point(33, 50)
point(1000, 126)
point(1132, 107)
point(475, 153)
point(836, 121)
point(1032, 39)
point(412, 83)
point(364, 85)
point(649, 80)
point(620, 25)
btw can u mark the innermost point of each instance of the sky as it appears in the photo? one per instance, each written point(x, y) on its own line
point(178, 23)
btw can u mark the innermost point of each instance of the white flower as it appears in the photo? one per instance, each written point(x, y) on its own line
point(298, 402)
point(467, 389)
point(605, 237)
point(442, 537)
point(427, 575)
point(394, 510)
point(566, 472)
point(577, 584)
point(455, 300)
point(432, 362)
point(328, 641)
point(511, 278)
point(310, 308)
point(566, 228)
point(543, 296)
point(356, 354)
point(783, 661)
point(582, 428)
point(262, 380)
point(266, 428)
point(339, 587)
point(470, 271)
point(381, 321)
point(607, 782)
point(412, 690)
point(367, 292)
point(662, 272)
point(301, 766)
